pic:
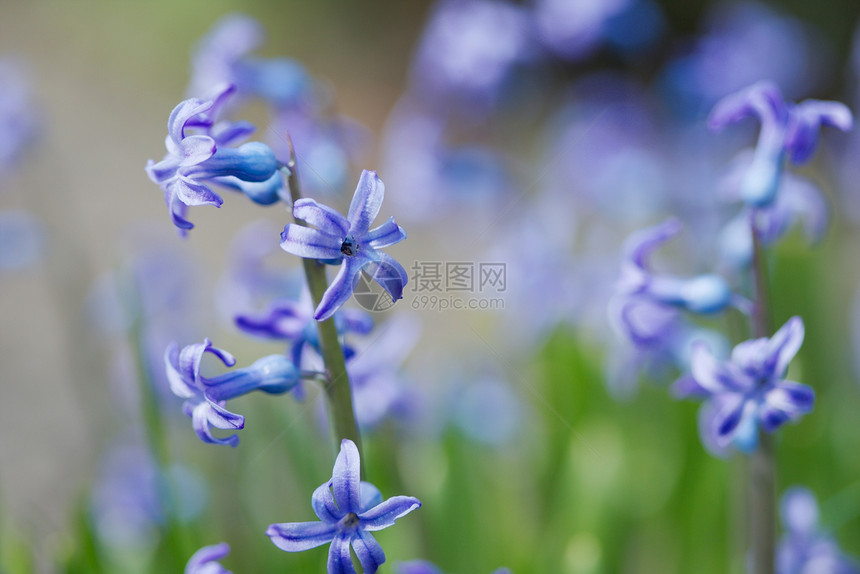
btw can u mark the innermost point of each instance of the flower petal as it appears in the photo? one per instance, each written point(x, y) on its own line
point(762, 99)
point(390, 274)
point(715, 376)
point(299, 536)
point(729, 418)
point(322, 217)
point(785, 343)
point(386, 234)
point(341, 288)
point(192, 193)
point(365, 203)
point(806, 121)
point(178, 385)
point(310, 243)
point(200, 423)
point(196, 150)
point(368, 551)
point(346, 478)
point(201, 562)
point(786, 401)
point(324, 505)
point(383, 515)
point(799, 511)
point(339, 559)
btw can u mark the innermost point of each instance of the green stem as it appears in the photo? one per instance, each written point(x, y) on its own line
point(336, 387)
point(762, 467)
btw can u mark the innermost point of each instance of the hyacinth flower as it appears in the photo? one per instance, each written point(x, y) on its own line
point(18, 118)
point(425, 567)
point(195, 160)
point(349, 509)
point(348, 242)
point(787, 130)
point(749, 391)
point(204, 561)
point(645, 306)
point(804, 548)
point(205, 398)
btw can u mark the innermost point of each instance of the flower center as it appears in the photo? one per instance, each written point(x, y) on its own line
point(349, 521)
point(348, 247)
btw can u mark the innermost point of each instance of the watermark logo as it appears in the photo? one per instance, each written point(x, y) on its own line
point(371, 296)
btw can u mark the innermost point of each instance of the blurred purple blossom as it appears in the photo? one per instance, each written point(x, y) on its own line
point(425, 567)
point(204, 561)
point(22, 240)
point(348, 510)
point(18, 120)
point(348, 242)
point(804, 548)
point(749, 390)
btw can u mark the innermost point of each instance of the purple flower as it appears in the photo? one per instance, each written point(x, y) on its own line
point(349, 510)
point(192, 161)
point(204, 560)
point(18, 119)
point(348, 242)
point(786, 129)
point(749, 390)
point(645, 305)
point(804, 548)
point(205, 397)
point(425, 567)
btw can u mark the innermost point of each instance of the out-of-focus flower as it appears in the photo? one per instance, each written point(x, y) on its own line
point(786, 130)
point(349, 510)
point(193, 161)
point(805, 549)
point(223, 56)
point(204, 561)
point(425, 567)
point(18, 120)
point(349, 242)
point(749, 390)
point(22, 240)
point(205, 397)
point(468, 50)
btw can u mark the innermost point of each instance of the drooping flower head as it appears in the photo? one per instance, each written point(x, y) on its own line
point(204, 561)
point(195, 160)
point(348, 242)
point(349, 510)
point(749, 391)
point(205, 398)
point(787, 129)
point(804, 548)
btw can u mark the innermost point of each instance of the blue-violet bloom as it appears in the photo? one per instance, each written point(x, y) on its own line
point(193, 161)
point(805, 548)
point(786, 129)
point(749, 390)
point(425, 567)
point(349, 242)
point(349, 510)
point(204, 561)
point(205, 397)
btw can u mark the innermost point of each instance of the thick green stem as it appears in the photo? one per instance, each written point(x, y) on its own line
point(336, 387)
point(762, 467)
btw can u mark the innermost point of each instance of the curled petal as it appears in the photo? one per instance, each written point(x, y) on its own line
point(200, 419)
point(299, 536)
point(203, 561)
point(339, 560)
point(785, 343)
point(192, 193)
point(365, 203)
point(714, 376)
point(390, 274)
point(386, 234)
point(324, 505)
point(346, 478)
point(638, 247)
point(181, 115)
point(762, 99)
point(310, 243)
point(179, 386)
point(786, 401)
point(383, 515)
point(368, 551)
point(806, 121)
point(322, 217)
point(341, 288)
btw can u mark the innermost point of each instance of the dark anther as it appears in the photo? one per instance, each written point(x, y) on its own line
point(347, 248)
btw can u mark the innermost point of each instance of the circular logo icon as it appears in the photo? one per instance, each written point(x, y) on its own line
point(371, 296)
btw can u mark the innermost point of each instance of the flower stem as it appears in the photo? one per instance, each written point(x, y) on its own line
point(336, 387)
point(762, 467)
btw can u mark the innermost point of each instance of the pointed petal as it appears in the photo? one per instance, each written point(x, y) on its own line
point(785, 343)
point(299, 536)
point(200, 423)
point(346, 478)
point(638, 247)
point(221, 418)
point(383, 515)
point(192, 193)
point(365, 203)
point(341, 288)
point(181, 114)
point(368, 551)
point(324, 505)
point(201, 561)
point(762, 99)
point(390, 274)
point(322, 217)
point(729, 418)
point(178, 385)
point(786, 401)
point(310, 243)
point(339, 559)
point(386, 234)
point(714, 376)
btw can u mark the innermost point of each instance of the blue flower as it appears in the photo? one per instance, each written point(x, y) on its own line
point(786, 129)
point(204, 560)
point(349, 242)
point(192, 161)
point(749, 390)
point(425, 567)
point(804, 547)
point(205, 397)
point(349, 510)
